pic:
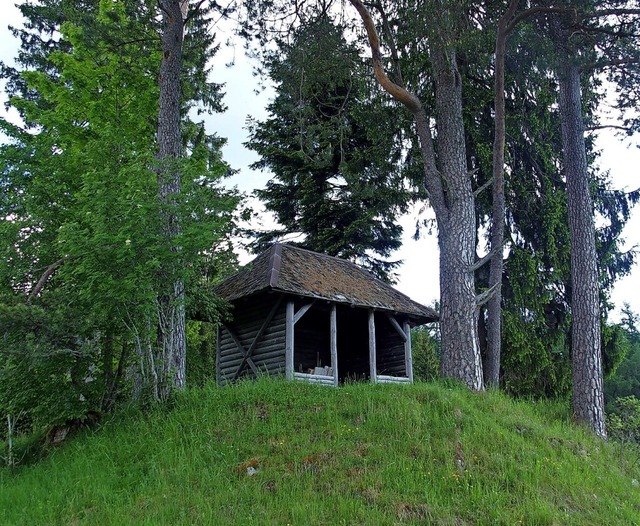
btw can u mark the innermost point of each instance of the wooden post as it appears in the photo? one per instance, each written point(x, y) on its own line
point(408, 359)
point(289, 343)
point(218, 356)
point(373, 370)
point(334, 343)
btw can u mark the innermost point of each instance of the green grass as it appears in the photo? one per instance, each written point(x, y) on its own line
point(361, 454)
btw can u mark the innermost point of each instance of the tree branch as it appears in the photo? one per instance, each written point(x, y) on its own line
point(609, 63)
point(535, 11)
point(45, 276)
point(611, 12)
point(483, 298)
point(484, 260)
point(483, 187)
point(392, 44)
point(433, 180)
point(397, 92)
point(607, 127)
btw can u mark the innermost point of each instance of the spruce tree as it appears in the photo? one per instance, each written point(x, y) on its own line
point(331, 146)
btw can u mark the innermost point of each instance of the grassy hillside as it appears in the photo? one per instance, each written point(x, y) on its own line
point(272, 452)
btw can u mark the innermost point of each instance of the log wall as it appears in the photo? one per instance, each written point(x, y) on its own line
point(248, 317)
point(390, 349)
point(312, 342)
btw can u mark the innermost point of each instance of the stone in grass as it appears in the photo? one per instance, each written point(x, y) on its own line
point(249, 467)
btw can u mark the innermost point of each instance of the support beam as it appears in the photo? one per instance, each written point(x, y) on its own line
point(301, 312)
point(333, 342)
point(408, 358)
point(396, 326)
point(246, 358)
point(373, 375)
point(249, 353)
point(289, 343)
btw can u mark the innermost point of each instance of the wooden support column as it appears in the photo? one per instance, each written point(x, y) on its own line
point(408, 359)
point(289, 343)
point(373, 370)
point(218, 357)
point(333, 342)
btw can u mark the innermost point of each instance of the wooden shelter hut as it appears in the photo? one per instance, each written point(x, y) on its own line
point(317, 318)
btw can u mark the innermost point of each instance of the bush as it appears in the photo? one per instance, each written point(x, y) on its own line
point(623, 420)
point(425, 350)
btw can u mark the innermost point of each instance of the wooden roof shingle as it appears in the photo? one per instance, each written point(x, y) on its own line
point(293, 270)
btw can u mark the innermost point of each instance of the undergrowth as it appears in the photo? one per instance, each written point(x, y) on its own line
point(282, 453)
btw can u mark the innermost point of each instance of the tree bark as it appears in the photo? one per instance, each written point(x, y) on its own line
point(456, 231)
point(494, 307)
point(171, 310)
point(588, 398)
point(451, 196)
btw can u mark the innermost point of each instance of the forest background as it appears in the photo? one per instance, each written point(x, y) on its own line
point(247, 96)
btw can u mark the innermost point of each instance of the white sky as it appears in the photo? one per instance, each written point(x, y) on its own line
point(419, 272)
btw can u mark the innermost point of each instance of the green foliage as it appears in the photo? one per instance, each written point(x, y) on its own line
point(425, 351)
point(201, 352)
point(333, 150)
point(623, 419)
point(625, 380)
point(361, 454)
point(80, 209)
point(48, 368)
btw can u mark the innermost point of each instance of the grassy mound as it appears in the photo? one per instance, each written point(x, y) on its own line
point(272, 452)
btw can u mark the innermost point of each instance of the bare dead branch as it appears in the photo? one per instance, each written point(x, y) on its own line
point(484, 260)
point(607, 127)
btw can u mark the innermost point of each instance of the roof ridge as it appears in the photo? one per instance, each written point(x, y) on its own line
point(273, 274)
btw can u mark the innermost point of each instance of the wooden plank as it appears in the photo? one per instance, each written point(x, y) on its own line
point(257, 360)
point(242, 350)
point(314, 378)
point(258, 337)
point(372, 347)
point(289, 343)
point(333, 343)
point(408, 358)
point(238, 344)
point(302, 311)
point(397, 327)
point(383, 379)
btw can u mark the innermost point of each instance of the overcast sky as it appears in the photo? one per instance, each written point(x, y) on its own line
point(419, 272)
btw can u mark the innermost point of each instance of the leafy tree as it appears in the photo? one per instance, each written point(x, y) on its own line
point(425, 350)
point(83, 230)
point(625, 379)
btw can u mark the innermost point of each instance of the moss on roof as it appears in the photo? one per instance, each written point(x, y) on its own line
point(294, 270)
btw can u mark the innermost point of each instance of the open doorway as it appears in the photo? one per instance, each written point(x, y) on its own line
point(353, 344)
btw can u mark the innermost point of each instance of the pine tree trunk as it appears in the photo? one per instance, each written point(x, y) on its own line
point(456, 233)
point(588, 398)
point(458, 313)
point(451, 196)
point(172, 322)
point(494, 307)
